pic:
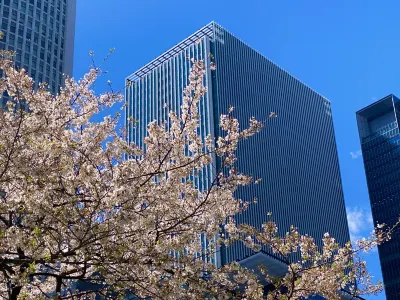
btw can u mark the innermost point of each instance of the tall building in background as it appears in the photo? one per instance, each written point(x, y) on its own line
point(378, 126)
point(295, 154)
point(41, 32)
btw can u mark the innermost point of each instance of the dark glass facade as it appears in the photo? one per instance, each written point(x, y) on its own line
point(380, 143)
point(295, 154)
point(41, 32)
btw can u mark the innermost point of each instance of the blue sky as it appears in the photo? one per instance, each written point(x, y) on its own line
point(345, 50)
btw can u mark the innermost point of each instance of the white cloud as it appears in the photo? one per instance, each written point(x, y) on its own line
point(355, 155)
point(369, 218)
point(360, 222)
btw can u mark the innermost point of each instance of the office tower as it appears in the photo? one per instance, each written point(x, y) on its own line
point(378, 127)
point(295, 154)
point(41, 32)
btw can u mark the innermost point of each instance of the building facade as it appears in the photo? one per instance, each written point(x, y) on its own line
point(295, 154)
point(378, 126)
point(41, 32)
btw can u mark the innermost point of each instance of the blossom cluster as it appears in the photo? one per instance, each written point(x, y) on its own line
point(81, 205)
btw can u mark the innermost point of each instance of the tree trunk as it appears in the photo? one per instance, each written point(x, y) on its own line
point(15, 292)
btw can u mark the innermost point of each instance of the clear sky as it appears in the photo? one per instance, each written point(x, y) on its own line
point(346, 50)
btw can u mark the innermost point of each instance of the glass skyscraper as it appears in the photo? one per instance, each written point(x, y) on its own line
point(378, 126)
point(41, 32)
point(295, 154)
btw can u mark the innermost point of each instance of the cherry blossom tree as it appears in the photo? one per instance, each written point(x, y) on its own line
point(80, 205)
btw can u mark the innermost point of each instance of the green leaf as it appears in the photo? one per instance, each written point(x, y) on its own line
point(32, 267)
point(36, 231)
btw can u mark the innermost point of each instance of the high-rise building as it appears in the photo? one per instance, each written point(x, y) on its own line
point(41, 32)
point(295, 154)
point(378, 126)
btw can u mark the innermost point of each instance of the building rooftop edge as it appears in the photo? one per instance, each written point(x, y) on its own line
point(203, 31)
point(198, 34)
point(274, 63)
point(374, 103)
